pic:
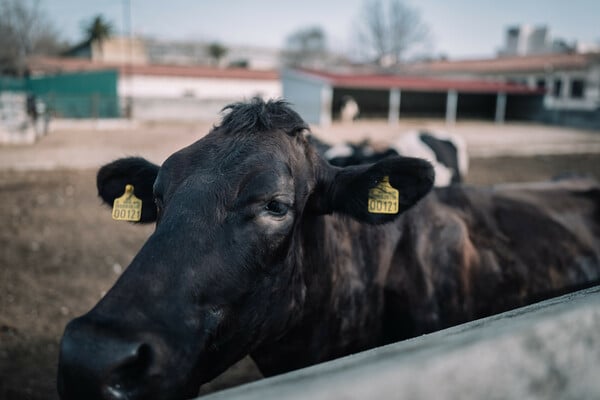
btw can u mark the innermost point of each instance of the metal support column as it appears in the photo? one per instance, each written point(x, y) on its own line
point(326, 105)
point(451, 106)
point(394, 111)
point(500, 108)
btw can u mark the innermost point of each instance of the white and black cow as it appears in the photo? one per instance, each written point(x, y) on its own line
point(261, 247)
point(349, 110)
point(446, 152)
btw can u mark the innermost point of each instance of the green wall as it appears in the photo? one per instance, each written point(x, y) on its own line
point(85, 94)
point(8, 83)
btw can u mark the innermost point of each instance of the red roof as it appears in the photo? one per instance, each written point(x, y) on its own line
point(53, 65)
point(541, 63)
point(415, 83)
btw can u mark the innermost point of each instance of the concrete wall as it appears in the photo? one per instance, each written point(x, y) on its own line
point(143, 86)
point(188, 98)
point(15, 125)
point(178, 109)
point(307, 97)
point(549, 350)
point(573, 118)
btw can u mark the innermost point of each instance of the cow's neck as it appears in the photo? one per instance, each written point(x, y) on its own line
point(344, 265)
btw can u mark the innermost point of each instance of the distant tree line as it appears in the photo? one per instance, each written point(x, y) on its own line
point(386, 31)
point(25, 31)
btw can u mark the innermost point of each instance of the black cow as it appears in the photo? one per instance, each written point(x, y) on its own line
point(447, 153)
point(263, 248)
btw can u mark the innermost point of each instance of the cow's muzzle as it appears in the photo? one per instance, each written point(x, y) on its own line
point(95, 363)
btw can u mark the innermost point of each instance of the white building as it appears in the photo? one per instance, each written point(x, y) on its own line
point(159, 92)
point(526, 40)
point(571, 81)
point(161, 51)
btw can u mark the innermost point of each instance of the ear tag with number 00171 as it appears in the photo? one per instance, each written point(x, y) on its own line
point(383, 198)
point(127, 207)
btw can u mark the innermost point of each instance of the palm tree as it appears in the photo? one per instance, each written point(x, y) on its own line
point(98, 29)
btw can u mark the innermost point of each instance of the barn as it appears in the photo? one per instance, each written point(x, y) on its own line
point(318, 95)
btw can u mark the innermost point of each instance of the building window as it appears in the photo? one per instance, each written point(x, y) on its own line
point(557, 88)
point(540, 84)
point(577, 88)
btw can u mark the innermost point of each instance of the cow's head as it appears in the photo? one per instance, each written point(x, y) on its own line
point(222, 273)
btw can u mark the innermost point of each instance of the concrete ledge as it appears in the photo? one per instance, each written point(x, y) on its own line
point(544, 351)
point(92, 124)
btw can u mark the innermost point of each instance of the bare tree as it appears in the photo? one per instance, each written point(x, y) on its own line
point(387, 30)
point(24, 31)
point(306, 47)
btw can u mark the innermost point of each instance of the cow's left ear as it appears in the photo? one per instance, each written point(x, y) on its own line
point(375, 193)
point(138, 172)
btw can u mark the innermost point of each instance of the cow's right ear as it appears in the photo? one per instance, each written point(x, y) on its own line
point(374, 193)
point(112, 179)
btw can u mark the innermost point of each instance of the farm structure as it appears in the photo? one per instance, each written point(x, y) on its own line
point(319, 96)
point(156, 92)
point(570, 82)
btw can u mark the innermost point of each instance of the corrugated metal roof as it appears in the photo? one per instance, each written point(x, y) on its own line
point(417, 83)
point(53, 65)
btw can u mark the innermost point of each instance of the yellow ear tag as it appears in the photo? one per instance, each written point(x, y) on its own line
point(383, 198)
point(127, 207)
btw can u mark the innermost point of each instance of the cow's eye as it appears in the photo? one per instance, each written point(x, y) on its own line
point(277, 208)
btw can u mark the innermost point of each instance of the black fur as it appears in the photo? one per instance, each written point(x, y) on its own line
point(260, 116)
point(349, 191)
point(263, 248)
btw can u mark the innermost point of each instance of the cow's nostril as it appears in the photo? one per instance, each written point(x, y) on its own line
point(127, 375)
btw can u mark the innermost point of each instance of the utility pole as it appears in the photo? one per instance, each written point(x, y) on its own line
point(127, 70)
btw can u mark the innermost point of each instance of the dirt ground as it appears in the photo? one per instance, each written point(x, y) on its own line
point(60, 251)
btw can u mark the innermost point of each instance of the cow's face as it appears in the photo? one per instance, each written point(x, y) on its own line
point(223, 272)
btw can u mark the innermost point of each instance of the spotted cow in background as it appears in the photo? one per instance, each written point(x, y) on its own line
point(349, 110)
point(446, 152)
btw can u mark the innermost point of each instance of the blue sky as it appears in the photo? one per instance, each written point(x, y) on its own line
point(459, 28)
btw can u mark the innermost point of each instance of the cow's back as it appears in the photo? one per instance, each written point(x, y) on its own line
point(466, 253)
